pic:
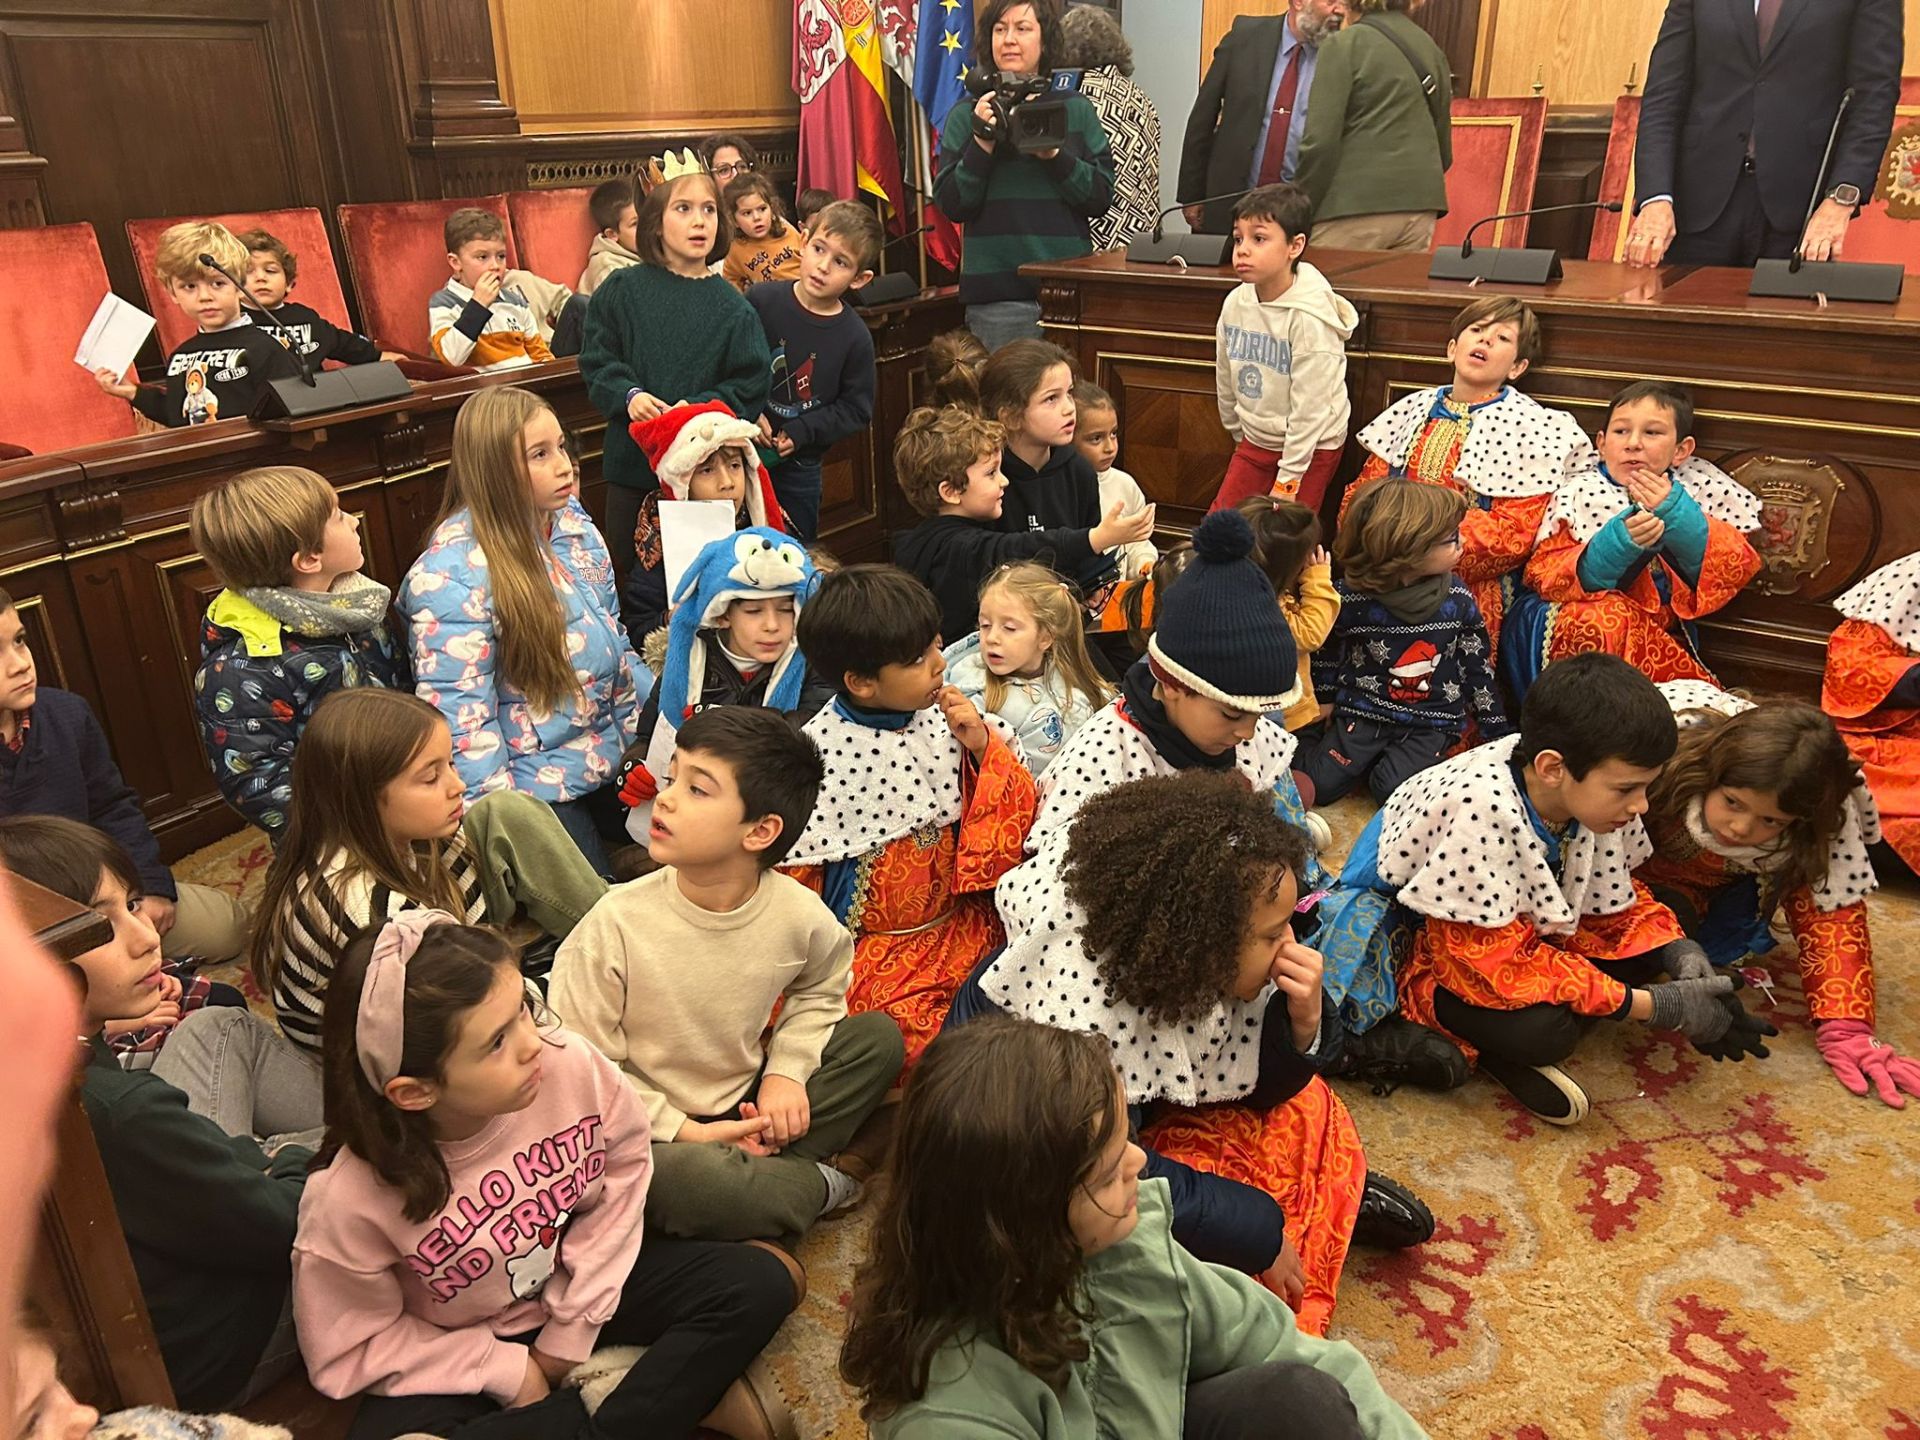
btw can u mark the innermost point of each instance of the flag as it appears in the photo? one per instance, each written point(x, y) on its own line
point(847, 142)
point(944, 41)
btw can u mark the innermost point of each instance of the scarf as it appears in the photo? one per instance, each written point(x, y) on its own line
point(1415, 603)
point(355, 605)
point(1151, 717)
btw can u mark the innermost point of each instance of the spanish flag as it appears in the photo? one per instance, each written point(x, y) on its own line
point(840, 73)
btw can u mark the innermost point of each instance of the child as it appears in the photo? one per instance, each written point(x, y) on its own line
point(475, 318)
point(55, 760)
point(1280, 366)
point(271, 272)
point(1096, 433)
point(473, 1227)
point(948, 463)
point(1632, 552)
point(614, 206)
point(765, 247)
point(208, 1216)
point(810, 202)
point(955, 359)
point(823, 370)
point(730, 642)
point(1407, 654)
point(697, 452)
point(923, 807)
point(1162, 917)
point(516, 631)
point(1763, 810)
point(380, 826)
point(221, 372)
point(295, 621)
point(1481, 437)
point(673, 976)
point(1555, 933)
point(1872, 691)
point(1025, 1281)
point(1286, 545)
point(664, 333)
point(1130, 608)
point(1027, 661)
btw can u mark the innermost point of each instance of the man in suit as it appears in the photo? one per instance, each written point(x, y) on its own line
point(1740, 97)
point(1262, 68)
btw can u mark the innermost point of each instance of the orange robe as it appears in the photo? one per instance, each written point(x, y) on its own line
point(1864, 663)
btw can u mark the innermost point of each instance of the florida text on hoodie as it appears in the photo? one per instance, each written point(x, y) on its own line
point(1280, 369)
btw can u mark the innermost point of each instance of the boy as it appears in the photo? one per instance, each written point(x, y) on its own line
point(476, 318)
point(616, 216)
point(1553, 932)
point(673, 976)
point(1481, 437)
point(272, 270)
point(1280, 367)
point(823, 371)
point(1097, 434)
point(1652, 536)
point(296, 621)
point(55, 760)
point(218, 374)
point(948, 461)
point(924, 805)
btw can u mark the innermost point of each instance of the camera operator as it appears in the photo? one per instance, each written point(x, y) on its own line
point(1017, 208)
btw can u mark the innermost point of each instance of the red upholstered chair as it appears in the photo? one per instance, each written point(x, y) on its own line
point(1609, 243)
point(1496, 158)
point(554, 232)
point(397, 258)
point(46, 401)
point(1888, 226)
point(303, 231)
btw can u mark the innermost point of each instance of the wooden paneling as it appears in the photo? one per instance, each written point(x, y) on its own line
point(1580, 51)
point(586, 65)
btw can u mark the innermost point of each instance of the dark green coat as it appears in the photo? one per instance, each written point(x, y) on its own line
point(1374, 143)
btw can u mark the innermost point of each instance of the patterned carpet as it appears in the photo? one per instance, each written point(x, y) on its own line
point(1717, 1251)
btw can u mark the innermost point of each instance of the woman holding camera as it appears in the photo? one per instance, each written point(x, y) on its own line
point(1018, 209)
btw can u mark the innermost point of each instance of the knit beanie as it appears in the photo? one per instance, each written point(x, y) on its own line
point(1218, 629)
point(678, 441)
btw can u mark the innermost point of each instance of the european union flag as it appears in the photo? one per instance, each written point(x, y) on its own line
point(940, 59)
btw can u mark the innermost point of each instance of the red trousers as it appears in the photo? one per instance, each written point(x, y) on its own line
point(1251, 471)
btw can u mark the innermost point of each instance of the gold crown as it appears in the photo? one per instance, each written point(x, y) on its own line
point(673, 166)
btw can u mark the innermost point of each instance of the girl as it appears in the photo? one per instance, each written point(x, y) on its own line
point(1872, 690)
point(380, 827)
point(668, 333)
point(1286, 544)
point(1407, 656)
point(1096, 434)
point(955, 359)
point(1024, 1281)
point(43, 1408)
point(516, 631)
point(1761, 810)
point(473, 1223)
point(765, 246)
point(1130, 607)
point(1028, 661)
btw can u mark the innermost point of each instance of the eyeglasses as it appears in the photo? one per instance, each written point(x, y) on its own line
point(727, 172)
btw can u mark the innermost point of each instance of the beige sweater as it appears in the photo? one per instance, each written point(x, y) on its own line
point(678, 997)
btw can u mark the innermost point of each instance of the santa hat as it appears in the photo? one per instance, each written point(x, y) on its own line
point(1218, 629)
point(679, 441)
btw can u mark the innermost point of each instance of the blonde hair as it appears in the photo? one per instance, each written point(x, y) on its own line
point(1390, 527)
point(1056, 609)
point(487, 477)
point(181, 247)
point(936, 447)
point(250, 528)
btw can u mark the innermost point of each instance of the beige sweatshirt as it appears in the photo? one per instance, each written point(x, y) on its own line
point(678, 997)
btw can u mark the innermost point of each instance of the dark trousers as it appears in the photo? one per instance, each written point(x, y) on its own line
point(1740, 235)
point(796, 483)
point(1352, 747)
point(702, 1309)
point(1534, 1034)
point(1247, 1405)
point(623, 514)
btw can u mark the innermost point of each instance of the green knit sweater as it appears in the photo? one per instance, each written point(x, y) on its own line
point(1374, 144)
point(678, 338)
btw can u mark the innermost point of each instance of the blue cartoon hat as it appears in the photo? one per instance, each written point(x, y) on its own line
point(753, 564)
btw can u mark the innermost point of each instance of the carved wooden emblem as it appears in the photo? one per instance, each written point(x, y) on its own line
point(1899, 183)
point(1797, 498)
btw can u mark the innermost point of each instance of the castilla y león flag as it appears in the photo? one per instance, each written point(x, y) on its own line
point(840, 63)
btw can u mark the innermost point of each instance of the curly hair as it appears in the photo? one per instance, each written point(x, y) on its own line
point(1166, 871)
point(938, 447)
point(1094, 38)
point(1389, 529)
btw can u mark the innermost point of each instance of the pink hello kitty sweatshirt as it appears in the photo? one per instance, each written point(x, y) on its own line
point(539, 1232)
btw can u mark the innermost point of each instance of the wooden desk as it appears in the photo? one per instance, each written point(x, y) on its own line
point(67, 929)
point(1817, 411)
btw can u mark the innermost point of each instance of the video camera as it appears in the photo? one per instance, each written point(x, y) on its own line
point(1029, 110)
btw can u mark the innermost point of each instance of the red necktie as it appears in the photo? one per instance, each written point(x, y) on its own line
point(1767, 16)
point(1274, 158)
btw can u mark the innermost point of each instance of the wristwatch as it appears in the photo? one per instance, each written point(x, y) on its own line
point(1847, 195)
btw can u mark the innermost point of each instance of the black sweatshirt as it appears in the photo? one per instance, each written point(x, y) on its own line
point(953, 555)
point(823, 372)
point(319, 339)
point(231, 368)
point(1064, 492)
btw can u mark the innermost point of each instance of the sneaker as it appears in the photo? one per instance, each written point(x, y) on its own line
point(1391, 1216)
point(843, 1191)
point(1319, 832)
point(1396, 1052)
point(1547, 1090)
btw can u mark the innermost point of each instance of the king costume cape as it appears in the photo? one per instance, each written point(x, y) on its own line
point(1872, 691)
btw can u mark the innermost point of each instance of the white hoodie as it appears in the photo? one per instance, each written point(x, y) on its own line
point(1281, 369)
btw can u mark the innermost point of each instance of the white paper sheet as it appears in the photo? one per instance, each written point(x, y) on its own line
point(114, 336)
point(686, 528)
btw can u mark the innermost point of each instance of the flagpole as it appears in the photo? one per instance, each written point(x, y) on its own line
point(922, 139)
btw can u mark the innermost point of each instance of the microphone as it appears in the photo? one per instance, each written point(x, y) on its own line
point(1822, 280)
point(1515, 265)
point(1820, 180)
point(247, 302)
point(1612, 207)
point(1184, 251)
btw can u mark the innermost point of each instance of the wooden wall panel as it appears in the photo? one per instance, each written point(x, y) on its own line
point(568, 65)
point(1580, 51)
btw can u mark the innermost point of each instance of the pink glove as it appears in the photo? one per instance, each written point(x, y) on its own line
point(1856, 1057)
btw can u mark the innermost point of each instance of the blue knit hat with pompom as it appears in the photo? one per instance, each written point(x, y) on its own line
point(1218, 630)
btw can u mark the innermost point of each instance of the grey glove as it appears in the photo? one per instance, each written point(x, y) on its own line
point(1693, 1007)
point(1685, 960)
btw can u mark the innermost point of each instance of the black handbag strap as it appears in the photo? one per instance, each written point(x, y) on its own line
point(1428, 85)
